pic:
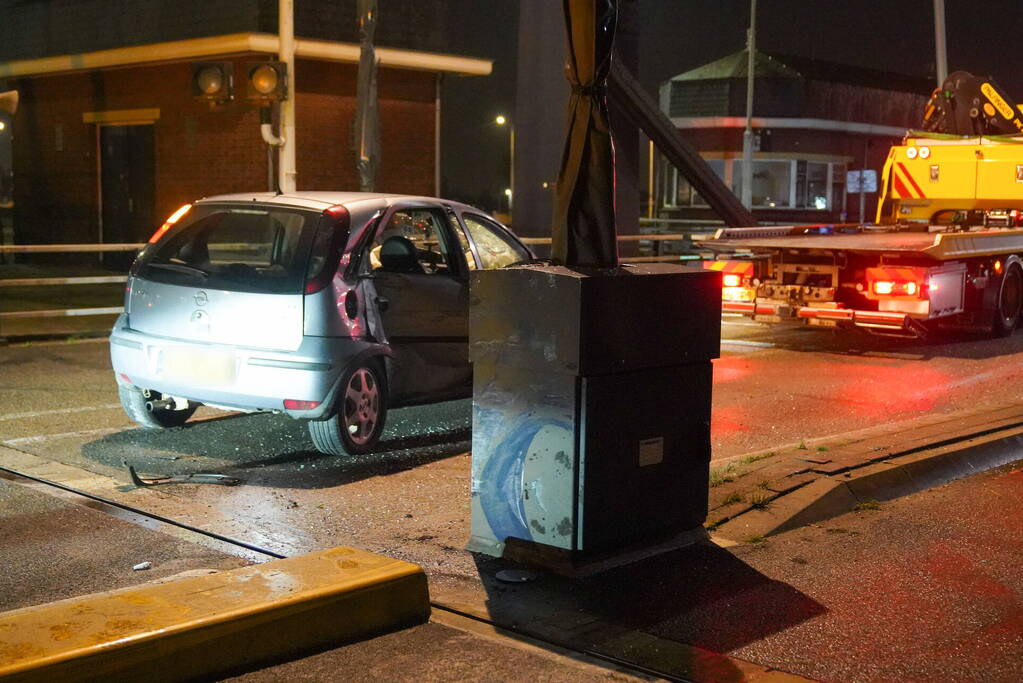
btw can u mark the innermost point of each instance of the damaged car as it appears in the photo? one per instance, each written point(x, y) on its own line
point(329, 307)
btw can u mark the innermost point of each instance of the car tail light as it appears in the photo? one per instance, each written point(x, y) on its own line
point(171, 220)
point(295, 404)
point(731, 280)
point(327, 246)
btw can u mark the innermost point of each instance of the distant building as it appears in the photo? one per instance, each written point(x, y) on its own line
point(108, 139)
point(813, 122)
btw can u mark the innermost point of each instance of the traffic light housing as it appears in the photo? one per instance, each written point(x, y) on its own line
point(213, 81)
point(266, 82)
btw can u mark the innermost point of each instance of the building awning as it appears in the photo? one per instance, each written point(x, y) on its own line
point(241, 44)
point(781, 122)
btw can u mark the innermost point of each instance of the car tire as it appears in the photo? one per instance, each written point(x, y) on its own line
point(134, 403)
point(359, 414)
point(1010, 301)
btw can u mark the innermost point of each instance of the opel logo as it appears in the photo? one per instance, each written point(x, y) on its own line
point(201, 298)
point(199, 317)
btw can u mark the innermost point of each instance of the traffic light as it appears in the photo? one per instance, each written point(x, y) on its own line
point(213, 81)
point(267, 82)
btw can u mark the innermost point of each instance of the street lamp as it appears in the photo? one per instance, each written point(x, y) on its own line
point(502, 120)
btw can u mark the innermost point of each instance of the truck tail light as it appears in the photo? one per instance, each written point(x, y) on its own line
point(731, 280)
point(897, 282)
point(887, 288)
point(171, 220)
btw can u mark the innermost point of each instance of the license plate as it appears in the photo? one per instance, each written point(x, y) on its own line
point(206, 367)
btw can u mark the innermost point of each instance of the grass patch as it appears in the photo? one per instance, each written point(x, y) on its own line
point(822, 449)
point(732, 499)
point(750, 459)
point(755, 540)
point(802, 446)
point(711, 526)
point(759, 500)
point(726, 474)
point(868, 505)
point(764, 485)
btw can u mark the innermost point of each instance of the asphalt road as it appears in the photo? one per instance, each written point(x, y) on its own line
point(410, 500)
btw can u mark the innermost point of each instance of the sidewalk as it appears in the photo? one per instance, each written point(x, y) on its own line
point(922, 587)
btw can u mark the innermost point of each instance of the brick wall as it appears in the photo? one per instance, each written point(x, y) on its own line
point(200, 152)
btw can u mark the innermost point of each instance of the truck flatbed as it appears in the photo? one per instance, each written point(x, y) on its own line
point(940, 246)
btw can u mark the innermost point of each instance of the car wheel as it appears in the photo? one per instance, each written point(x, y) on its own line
point(359, 414)
point(1010, 299)
point(134, 403)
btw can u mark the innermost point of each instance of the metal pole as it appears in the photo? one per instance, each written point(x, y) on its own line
point(436, 135)
point(940, 53)
point(288, 174)
point(511, 166)
point(747, 136)
point(863, 178)
point(651, 181)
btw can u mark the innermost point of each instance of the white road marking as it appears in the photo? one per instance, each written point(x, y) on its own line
point(65, 435)
point(747, 342)
point(61, 411)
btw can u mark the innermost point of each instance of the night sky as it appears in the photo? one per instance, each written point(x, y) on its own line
point(678, 35)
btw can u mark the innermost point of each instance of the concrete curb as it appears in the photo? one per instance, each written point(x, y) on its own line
point(205, 625)
point(829, 496)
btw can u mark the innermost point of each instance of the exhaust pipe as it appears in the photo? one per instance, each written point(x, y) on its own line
point(161, 404)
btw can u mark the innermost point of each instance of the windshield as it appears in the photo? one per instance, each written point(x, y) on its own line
point(250, 249)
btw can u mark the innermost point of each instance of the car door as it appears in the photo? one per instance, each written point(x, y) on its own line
point(421, 304)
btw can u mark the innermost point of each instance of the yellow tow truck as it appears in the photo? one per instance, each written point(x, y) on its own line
point(948, 248)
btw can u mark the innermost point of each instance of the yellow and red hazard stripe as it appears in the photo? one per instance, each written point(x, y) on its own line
point(734, 271)
point(904, 186)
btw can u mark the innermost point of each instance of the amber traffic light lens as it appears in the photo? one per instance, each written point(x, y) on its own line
point(264, 79)
point(210, 80)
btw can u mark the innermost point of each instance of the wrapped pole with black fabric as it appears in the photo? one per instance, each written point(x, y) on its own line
point(591, 379)
point(367, 120)
point(583, 232)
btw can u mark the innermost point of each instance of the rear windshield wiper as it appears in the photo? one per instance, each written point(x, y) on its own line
point(180, 268)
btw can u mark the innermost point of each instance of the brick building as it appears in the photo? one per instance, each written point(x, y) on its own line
point(108, 139)
point(813, 122)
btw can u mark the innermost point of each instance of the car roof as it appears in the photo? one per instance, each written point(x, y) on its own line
point(320, 200)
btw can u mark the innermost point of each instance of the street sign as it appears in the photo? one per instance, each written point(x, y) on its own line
point(852, 181)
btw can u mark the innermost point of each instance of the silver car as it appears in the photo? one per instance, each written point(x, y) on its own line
point(327, 306)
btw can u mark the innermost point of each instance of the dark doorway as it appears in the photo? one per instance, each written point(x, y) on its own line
point(127, 171)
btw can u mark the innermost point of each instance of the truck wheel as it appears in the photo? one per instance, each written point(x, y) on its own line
point(1010, 297)
point(358, 419)
point(134, 403)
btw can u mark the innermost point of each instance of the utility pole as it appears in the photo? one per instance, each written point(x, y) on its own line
point(747, 136)
point(940, 53)
point(286, 36)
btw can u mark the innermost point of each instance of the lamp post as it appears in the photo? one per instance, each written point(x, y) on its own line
point(502, 120)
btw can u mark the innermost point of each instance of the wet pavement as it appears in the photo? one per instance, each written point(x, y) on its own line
point(925, 588)
point(830, 616)
point(52, 549)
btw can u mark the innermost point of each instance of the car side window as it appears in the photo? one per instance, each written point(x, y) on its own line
point(412, 241)
point(493, 246)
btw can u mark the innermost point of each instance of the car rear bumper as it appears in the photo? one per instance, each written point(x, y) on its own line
point(235, 377)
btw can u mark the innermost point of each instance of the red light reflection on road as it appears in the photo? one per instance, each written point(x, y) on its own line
point(730, 368)
point(881, 391)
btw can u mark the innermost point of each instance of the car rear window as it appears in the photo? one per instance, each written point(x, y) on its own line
point(250, 249)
